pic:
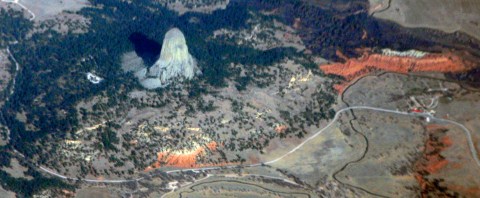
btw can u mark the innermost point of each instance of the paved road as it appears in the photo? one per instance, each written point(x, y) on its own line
point(468, 134)
point(233, 176)
point(336, 117)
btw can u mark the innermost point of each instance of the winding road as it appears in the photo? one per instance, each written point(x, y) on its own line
point(17, 68)
point(466, 131)
point(336, 117)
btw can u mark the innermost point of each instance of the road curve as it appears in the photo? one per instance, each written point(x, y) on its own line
point(468, 134)
point(17, 68)
point(335, 118)
point(337, 115)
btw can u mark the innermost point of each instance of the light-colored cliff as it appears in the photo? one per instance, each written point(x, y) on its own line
point(175, 63)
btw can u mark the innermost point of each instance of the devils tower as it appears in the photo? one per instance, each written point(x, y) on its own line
point(175, 62)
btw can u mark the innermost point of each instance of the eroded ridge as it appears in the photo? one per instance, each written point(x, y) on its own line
point(400, 62)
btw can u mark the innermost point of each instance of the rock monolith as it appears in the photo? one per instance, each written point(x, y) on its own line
point(175, 62)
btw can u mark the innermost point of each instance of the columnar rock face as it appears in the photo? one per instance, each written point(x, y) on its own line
point(175, 62)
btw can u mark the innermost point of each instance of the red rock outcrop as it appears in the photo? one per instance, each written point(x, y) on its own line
point(433, 163)
point(281, 128)
point(182, 159)
point(186, 160)
point(368, 62)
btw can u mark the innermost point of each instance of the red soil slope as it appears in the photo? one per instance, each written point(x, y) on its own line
point(281, 128)
point(432, 161)
point(432, 170)
point(183, 160)
point(357, 67)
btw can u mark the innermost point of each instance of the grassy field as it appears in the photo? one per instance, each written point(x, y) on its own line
point(229, 187)
point(93, 192)
point(446, 15)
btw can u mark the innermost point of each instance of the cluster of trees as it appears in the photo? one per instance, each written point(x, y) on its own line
point(14, 29)
point(52, 79)
point(109, 138)
point(27, 188)
point(326, 30)
point(14, 26)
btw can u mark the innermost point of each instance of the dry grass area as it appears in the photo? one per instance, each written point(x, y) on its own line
point(236, 187)
point(6, 194)
point(437, 160)
point(445, 168)
point(90, 192)
point(461, 174)
point(394, 142)
point(49, 9)
point(317, 160)
point(52, 15)
point(445, 15)
point(16, 170)
point(11, 6)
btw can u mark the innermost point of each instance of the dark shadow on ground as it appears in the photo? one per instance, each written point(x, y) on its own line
point(147, 49)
